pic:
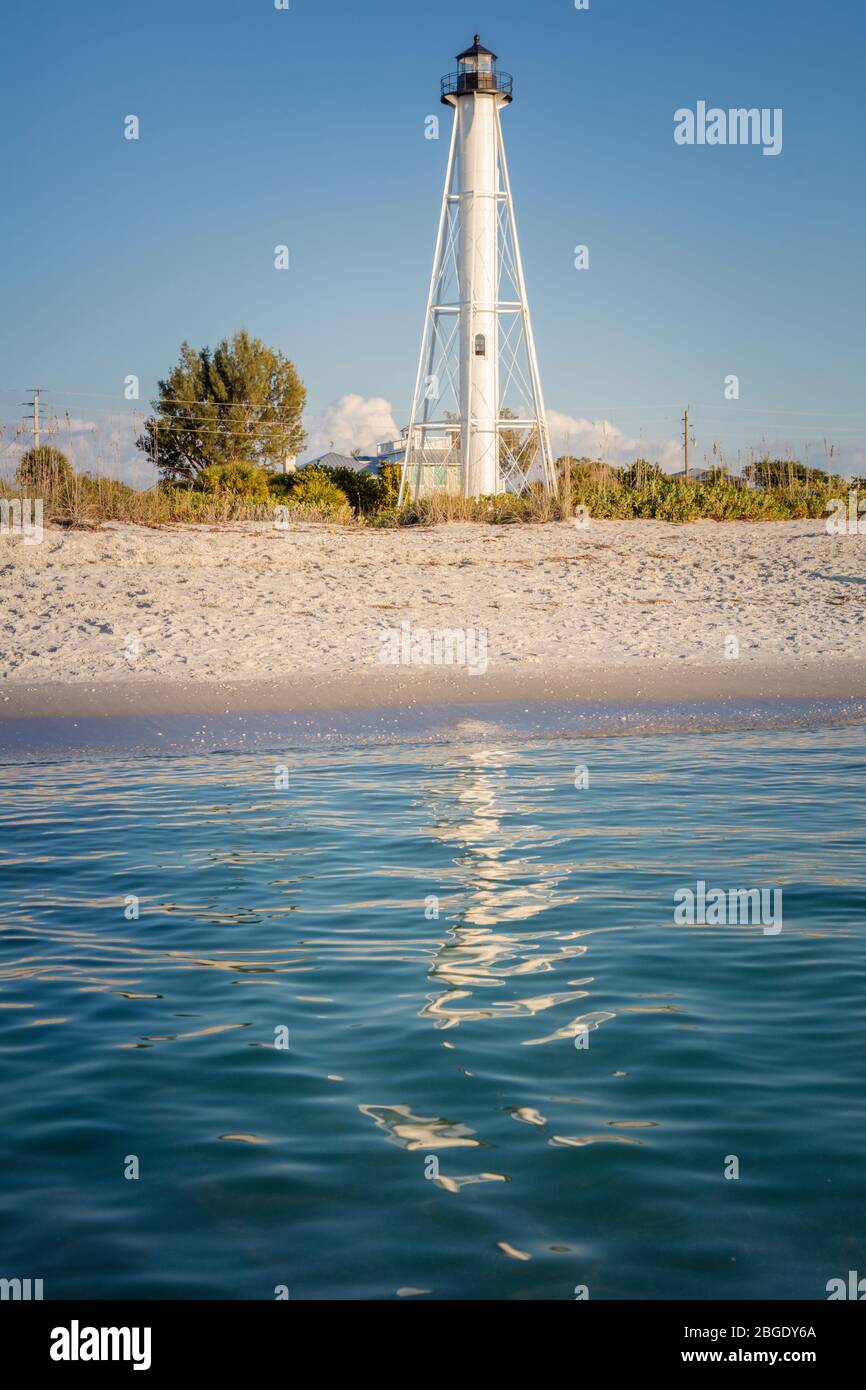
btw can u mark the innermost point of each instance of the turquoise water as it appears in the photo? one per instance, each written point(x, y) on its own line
point(416, 1040)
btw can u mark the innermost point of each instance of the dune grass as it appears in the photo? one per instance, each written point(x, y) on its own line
point(586, 491)
point(87, 502)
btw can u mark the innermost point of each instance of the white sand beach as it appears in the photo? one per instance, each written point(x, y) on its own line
point(128, 618)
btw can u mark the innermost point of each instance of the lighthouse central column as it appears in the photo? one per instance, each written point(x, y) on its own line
point(478, 270)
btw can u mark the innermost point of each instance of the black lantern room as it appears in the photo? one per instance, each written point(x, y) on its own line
point(476, 72)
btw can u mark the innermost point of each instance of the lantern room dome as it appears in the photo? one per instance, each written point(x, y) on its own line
point(476, 50)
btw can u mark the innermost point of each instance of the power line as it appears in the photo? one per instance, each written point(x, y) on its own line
point(203, 423)
point(262, 429)
point(167, 400)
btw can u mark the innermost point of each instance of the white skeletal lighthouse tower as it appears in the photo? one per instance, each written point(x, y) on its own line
point(478, 424)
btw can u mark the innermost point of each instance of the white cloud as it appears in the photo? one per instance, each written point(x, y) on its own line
point(361, 422)
point(601, 439)
point(352, 422)
point(105, 446)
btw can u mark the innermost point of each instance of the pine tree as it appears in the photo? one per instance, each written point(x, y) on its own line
point(240, 402)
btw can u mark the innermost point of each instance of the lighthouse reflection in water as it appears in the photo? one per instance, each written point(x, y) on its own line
point(531, 1092)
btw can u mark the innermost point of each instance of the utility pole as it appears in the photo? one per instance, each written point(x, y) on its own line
point(686, 441)
point(34, 406)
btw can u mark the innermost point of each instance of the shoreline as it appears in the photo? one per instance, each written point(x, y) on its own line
point(637, 683)
point(133, 718)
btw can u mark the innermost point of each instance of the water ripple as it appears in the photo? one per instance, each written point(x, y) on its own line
point(314, 1015)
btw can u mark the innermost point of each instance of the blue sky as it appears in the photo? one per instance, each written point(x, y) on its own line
point(306, 127)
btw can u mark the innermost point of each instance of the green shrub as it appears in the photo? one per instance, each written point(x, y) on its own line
point(236, 479)
point(389, 475)
point(641, 475)
point(107, 490)
point(643, 490)
point(42, 470)
point(280, 485)
point(673, 500)
point(363, 492)
point(313, 489)
point(387, 517)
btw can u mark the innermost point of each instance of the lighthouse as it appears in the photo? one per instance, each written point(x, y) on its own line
point(478, 424)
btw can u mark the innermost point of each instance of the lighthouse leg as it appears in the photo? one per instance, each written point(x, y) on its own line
point(545, 457)
point(411, 476)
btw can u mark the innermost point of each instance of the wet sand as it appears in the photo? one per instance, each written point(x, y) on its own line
point(386, 688)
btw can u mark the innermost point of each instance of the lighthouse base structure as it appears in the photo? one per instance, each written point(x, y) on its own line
point(478, 424)
point(476, 119)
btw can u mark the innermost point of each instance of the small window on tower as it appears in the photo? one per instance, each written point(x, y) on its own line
point(480, 345)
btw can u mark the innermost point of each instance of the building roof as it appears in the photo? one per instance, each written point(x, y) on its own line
point(697, 475)
point(332, 460)
point(476, 49)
